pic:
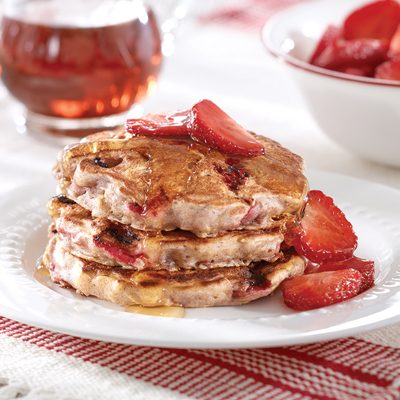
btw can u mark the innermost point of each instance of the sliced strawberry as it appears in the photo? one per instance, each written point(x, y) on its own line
point(212, 126)
point(377, 20)
point(324, 233)
point(331, 34)
point(321, 289)
point(365, 267)
point(353, 53)
point(175, 124)
point(389, 70)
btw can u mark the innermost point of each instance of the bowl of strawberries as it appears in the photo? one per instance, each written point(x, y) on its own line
point(344, 56)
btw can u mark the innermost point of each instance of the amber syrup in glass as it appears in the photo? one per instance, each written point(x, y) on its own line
point(79, 72)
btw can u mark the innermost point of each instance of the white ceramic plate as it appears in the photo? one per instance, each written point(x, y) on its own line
point(373, 210)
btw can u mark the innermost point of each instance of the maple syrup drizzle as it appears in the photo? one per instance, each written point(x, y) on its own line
point(41, 274)
point(171, 312)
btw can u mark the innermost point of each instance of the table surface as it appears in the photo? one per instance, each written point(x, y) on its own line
point(231, 67)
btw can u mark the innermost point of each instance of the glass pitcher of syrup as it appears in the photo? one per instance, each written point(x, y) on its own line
point(79, 66)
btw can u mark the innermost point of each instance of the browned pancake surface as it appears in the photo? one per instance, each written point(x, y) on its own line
point(170, 183)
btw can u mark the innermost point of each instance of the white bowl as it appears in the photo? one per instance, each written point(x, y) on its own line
point(360, 114)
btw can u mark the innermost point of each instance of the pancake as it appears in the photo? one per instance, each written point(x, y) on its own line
point(188, 288)
point(163, 184)
point(114, 244)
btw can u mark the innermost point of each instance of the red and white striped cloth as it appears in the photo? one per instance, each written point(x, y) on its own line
point(57, 366)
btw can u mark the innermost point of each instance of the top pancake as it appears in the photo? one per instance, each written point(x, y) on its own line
point(164, 183)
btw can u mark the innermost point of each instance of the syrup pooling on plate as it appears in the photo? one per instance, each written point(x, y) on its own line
point(171, 312)
point(41, 274)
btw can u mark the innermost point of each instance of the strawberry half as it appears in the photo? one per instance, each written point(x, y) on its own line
point(331, 34)
point(353, 53)
point(365, 267)
point(324, 233)
point(212, 126)
point(175, 124)
point(389, 70)
point(321, 289)
point(377, 20)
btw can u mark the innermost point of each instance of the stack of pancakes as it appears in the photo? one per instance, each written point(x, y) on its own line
point(163, 221)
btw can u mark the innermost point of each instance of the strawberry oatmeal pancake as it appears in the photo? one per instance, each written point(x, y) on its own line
point(190, 209)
